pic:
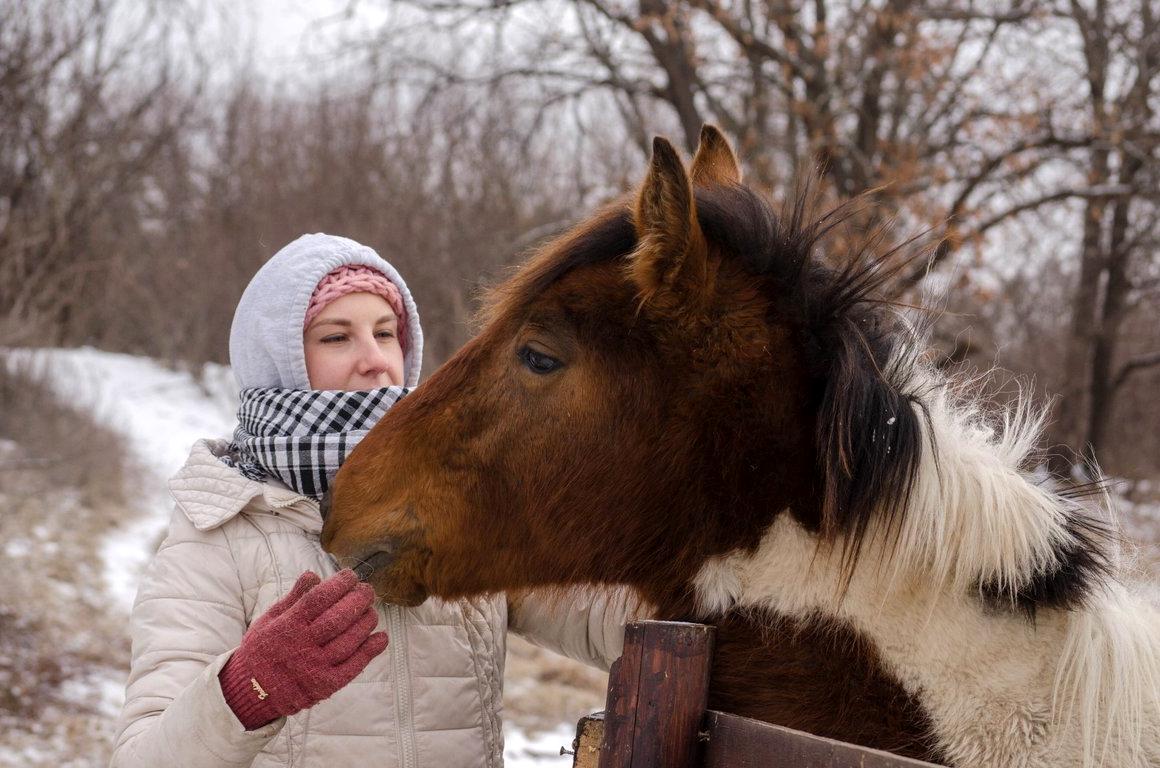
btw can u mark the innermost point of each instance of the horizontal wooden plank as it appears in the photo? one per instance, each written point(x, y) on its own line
point(738, 742)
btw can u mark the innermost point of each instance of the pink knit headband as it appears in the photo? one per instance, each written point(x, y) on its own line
point(353, 278)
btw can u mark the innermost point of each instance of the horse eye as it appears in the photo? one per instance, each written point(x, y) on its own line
point(538, 362)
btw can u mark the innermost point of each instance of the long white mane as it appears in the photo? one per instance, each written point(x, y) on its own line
point(978, 516)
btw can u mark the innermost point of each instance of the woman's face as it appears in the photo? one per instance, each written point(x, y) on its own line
point(353, 344)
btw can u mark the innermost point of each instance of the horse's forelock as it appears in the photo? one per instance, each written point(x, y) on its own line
point(780, 246)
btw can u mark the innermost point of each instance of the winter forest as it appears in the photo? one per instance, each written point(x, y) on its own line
point(154, 153)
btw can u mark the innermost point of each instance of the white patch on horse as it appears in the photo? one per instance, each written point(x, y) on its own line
point(717, 585)
point(1073, 688)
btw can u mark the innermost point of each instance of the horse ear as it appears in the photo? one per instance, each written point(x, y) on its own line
point(714, 162)
point(671, 256)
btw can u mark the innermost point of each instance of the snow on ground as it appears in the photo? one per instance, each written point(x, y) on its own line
point(162, 413)
point(540, 751)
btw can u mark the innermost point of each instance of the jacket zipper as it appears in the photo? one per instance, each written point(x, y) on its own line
point(291, 756)
point(402, 687)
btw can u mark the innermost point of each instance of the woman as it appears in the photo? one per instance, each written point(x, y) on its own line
point(250, 648)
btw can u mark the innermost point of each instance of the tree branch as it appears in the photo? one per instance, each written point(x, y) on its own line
point(1134, 366)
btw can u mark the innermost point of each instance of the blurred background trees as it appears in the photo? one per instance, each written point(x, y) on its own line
point(144, 175)
point(88, 104)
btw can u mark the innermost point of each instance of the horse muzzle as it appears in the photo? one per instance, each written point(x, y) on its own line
point(393, 568)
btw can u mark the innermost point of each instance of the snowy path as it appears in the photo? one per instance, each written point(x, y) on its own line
point(162, 413)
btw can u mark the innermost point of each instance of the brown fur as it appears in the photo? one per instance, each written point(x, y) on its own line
point(712, 375)
point(818, 676)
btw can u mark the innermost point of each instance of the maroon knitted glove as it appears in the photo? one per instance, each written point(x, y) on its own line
point(305, 647)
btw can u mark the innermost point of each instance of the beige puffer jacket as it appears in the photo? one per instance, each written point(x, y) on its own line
point(433, 699)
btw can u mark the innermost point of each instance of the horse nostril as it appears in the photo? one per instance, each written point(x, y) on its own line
point(324, 505)
point(376, 562)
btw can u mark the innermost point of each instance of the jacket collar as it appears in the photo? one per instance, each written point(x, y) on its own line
point(210, 493)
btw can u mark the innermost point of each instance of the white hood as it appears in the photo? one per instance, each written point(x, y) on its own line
point(266, 336)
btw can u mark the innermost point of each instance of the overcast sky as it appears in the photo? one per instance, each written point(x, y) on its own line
point(291, 40)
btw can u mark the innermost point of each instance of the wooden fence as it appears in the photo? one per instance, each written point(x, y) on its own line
point(656, 716)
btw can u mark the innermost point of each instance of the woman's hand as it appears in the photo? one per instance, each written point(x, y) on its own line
point(306, 647)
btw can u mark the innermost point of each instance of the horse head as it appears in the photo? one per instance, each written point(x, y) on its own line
point(650, 391)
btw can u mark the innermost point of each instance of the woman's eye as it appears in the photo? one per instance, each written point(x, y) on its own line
point(385, 334)
point(333, 339)
point(538, 362)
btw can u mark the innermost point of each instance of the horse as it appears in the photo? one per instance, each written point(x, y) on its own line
point(688, 394)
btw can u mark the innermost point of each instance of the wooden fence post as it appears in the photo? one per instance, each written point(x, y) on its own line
point(657, 694)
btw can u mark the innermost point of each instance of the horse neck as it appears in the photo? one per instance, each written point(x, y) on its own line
point(973, 518)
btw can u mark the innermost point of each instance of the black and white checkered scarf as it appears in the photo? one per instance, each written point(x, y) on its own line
point(302, 436)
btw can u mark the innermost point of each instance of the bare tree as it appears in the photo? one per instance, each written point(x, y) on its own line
point(896, 98)
point(1118, 259)
point(443, 187)
point(961, 116)
point(87, 103)
point(461, 132)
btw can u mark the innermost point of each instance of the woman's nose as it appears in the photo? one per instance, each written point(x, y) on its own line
point(371, 357)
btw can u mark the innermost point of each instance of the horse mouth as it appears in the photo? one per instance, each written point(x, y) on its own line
point(379, 561)
point(390, 570)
